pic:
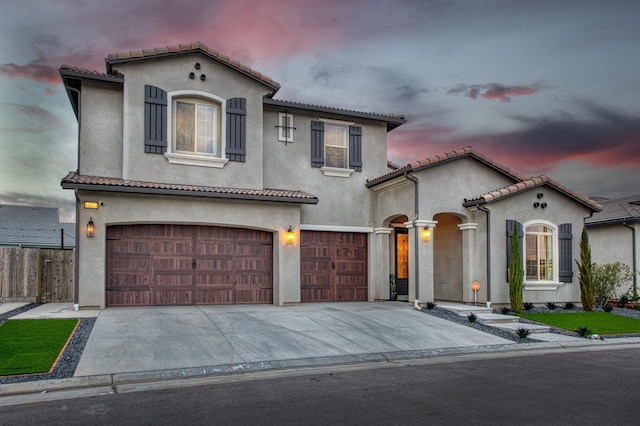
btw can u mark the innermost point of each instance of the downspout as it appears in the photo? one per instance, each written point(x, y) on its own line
point(417, 236)
point(488, 212)
point(634, 252)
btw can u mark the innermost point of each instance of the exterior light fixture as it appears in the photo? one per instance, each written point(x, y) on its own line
point(91, 229)
point(91, 204)
point(426, 234)
point(290, 236)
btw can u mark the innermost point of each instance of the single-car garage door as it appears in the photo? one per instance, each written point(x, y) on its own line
point(333, 266)
point(188, 265)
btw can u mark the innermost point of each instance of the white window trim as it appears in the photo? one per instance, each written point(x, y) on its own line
point(196, 159)
point(542, 285)
point(338, 171)
point(281, 129)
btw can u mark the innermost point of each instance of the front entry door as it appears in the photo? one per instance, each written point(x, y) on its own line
point(402, 261)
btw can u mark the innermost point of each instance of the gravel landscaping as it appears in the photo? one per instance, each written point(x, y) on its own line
point(67, 363)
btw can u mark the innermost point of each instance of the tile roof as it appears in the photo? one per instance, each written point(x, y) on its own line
point(466, 152)
point(196, 47)
point(525, 185)
point(75, 180)
point(619, 210)
point(28, 226)
point(393, 120)
point(68, 71)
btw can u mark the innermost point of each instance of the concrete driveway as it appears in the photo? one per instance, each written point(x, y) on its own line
point(127, 340)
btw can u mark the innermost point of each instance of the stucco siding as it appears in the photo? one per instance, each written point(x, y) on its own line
point(343, 201)
point(613, 243)
point(100, 151)
point(172, 75)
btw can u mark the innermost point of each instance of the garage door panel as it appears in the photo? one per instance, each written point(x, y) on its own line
point(333, 266)
point(183, 265)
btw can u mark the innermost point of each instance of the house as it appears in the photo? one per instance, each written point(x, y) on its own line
point(27, 226)
point(614, 234)
point(195, 185)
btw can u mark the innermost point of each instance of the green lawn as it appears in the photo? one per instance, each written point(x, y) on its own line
point(597, 322)
point(32, 345)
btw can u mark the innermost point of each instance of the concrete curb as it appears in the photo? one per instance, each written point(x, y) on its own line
point(110, 381)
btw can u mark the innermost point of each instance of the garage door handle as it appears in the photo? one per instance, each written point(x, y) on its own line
point(193, 263)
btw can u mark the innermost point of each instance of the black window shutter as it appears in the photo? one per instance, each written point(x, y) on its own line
point(317, 144)
point(565, 237)
point(155, 120)
point(236, 129)
point(509, 234)
point(355, 148)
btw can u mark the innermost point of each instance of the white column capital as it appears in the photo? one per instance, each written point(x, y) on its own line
point(382, 230)
point(468, 226)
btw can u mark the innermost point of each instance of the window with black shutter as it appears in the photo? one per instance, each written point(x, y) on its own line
point(236, 129)
point(155, 120)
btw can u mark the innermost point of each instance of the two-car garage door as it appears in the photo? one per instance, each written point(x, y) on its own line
point(188, 265)
point(150, 265)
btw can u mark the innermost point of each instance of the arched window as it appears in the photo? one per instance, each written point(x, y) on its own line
point(541, 252)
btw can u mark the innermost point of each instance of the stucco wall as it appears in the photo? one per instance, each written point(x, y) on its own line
point(614, 243)
point(342, 201)
point(100, 150)
point(135, 208)
point(559, 210)
point(171, 75)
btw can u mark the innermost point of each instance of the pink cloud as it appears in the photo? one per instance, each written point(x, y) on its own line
point(497, 91)
point(37, 72)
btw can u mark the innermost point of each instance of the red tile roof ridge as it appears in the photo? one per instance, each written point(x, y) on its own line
point(186, 48)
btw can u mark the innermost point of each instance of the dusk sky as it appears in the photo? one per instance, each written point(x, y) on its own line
point(542, 87)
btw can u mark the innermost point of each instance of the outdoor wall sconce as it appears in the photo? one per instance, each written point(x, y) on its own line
point(90, 228)
point(290, 236)
point(426, 235)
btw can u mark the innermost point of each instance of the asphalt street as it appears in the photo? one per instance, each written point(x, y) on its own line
point(596, 386)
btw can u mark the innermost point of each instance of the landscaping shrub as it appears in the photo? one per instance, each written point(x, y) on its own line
point(583, 331)
point(505, 310)
point(568, 306)
point(608, 308)
point(523, 333)
point(607, 279)
point(472, 317)
point(431, 305)
point(551, 306)
point(527, 306)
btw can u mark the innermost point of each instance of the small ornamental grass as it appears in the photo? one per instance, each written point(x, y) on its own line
point(33, 345)
point(597, 322)
point(523, 333)
point(431, 305)
point(472, 318)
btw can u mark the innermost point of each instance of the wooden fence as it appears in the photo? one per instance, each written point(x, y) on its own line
point(36, 275)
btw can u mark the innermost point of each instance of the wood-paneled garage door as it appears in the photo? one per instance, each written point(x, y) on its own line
point(333, 266)
point(188, 265)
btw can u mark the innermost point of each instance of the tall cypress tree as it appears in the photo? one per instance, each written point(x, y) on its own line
point(585, 273)
point(516, 272)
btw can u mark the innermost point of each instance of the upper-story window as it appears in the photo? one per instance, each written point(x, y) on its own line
point(196, 127)
point(336, 147)
point(285, 127)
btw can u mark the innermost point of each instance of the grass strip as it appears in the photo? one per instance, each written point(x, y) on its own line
point(32, 346)
point(598, 322)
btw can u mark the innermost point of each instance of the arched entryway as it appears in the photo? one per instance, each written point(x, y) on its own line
point(447, 258)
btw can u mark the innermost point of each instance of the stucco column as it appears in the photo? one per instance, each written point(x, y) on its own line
point(420, 286)
point(379, 288)
point(469, 274)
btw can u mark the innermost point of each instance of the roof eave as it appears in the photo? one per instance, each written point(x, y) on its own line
point(181, 192)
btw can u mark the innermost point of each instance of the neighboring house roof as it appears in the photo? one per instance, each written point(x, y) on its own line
point(392, 120)
point(614, 211)
point(196, 47)
point(466, 152)
point(28, 226)
point(75, 180)
point(526, 185)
